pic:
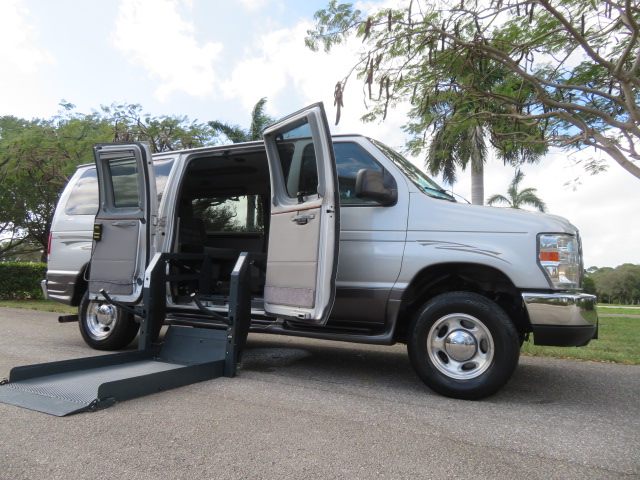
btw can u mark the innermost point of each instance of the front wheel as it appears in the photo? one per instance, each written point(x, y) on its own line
point(104, 326)
point(463, 345)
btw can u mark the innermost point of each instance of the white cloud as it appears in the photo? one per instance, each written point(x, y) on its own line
point(154, 35)
point(22, 93)
point(286, 71)
point(253, 5)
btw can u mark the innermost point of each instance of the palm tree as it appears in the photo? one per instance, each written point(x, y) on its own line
point(460, 138)
point(237, 134)
point(517, 198)
point(463, 144)
point(451, 148)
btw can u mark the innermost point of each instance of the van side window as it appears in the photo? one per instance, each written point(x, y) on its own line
point(350, 159)
point(161, 170)
point(84, 197)
point(242, 213)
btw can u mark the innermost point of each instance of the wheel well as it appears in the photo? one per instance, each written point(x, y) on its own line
point(468, 277)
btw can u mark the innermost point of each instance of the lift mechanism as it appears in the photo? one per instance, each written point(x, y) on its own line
point(187, 355)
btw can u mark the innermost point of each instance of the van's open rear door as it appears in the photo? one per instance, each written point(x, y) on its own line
point(122, 229)
point(304, 229)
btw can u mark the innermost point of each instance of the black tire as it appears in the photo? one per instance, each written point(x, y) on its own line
point(110, 329)
point(463, 345)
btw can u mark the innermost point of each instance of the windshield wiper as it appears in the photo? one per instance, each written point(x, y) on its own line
point(443, 194)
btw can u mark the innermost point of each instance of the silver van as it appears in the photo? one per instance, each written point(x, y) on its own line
point(360, 246)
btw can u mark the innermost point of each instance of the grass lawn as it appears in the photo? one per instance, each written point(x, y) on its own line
point(42, 305)
point(618, 343)
point(604, 311)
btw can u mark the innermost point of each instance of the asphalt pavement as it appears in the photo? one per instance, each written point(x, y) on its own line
point(315, 409)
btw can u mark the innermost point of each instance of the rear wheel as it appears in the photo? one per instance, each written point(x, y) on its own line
point(104, 326)
point(463, 345)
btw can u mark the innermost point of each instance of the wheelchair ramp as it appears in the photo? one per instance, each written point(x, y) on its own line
point(188, 355)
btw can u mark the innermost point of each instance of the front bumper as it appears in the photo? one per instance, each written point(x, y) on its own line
point(562, 319)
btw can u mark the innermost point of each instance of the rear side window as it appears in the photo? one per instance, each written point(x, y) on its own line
point(84, 197)
point(161, 170)
point(243, 213)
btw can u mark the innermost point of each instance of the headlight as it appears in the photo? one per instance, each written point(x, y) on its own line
point(559, 255)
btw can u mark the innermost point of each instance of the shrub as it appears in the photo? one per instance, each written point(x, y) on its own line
point(19, 281)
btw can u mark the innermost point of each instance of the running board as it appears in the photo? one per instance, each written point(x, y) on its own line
point(188, 355)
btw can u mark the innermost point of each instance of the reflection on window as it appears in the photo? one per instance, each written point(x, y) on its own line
point(350, 159)
point(298, 160)
point(161, 170)
point(413, 173)
point(124, 181)
point(244, 213)
point(84, 197)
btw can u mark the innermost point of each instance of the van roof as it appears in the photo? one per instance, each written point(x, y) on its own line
point(226, 145)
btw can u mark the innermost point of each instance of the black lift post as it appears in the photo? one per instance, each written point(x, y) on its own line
point(187, 355)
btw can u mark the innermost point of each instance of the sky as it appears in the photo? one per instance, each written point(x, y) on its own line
point(211, 59)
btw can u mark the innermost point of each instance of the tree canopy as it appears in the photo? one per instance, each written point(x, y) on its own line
point(617, 285)
point(541, 72)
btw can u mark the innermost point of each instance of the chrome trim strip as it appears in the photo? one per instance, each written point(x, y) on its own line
point(461, 247)
point(562, 309)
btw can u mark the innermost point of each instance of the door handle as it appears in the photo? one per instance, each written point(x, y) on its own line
point(124, 224)
point(302, 219)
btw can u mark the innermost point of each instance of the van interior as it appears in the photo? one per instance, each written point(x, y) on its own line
point(222, 210)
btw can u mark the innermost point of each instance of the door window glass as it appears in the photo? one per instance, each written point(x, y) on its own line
point(124, 181)
point(350, 159)
point(298, 160)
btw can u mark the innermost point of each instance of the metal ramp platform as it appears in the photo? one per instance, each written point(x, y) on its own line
point(187, 355)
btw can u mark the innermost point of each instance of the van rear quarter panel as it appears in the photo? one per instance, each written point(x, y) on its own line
point(71, 241)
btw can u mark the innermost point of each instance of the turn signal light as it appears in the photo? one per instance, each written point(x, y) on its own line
point(549, 256)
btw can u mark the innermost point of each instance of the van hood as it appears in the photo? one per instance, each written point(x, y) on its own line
point(465, 217)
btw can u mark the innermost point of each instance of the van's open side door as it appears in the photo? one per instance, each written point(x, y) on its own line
point(123, 225)
point(304, 229)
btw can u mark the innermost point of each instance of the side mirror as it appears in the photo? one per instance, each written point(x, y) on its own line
point(370, 186)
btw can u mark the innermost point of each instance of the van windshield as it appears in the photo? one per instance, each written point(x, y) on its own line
point(413, 173)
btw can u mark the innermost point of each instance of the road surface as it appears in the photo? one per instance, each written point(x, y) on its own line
point(315, 409)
